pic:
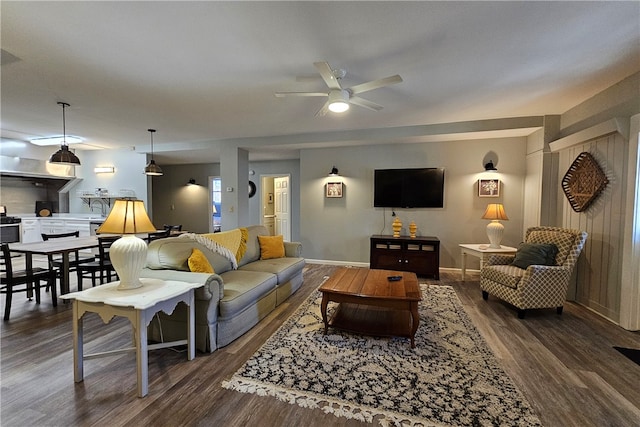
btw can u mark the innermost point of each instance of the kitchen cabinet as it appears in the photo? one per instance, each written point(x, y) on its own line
point(31, 230)
point(51, 226)
point(77, 225)
point(420, 255)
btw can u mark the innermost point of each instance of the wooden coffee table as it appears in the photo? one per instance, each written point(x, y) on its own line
point(371, 304)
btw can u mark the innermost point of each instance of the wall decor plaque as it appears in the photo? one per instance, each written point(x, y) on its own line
point(583, 182)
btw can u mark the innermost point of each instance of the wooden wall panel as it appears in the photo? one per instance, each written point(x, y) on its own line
point(598, 275)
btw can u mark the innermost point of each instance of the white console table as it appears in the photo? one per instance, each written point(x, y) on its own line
point(481, 251)
point(139, 306)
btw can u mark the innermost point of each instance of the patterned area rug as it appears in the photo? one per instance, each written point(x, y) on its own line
point(451, 378)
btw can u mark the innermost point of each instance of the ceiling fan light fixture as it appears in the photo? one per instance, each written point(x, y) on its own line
point(152, 169)
point(338, 101)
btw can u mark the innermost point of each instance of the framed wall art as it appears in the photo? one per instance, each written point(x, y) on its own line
point(488, 188)
point(334, 189)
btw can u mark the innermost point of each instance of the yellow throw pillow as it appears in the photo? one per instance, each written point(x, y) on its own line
point(198, 262)
point(271, 247)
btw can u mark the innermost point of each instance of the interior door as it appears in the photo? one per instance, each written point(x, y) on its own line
point(282, 196)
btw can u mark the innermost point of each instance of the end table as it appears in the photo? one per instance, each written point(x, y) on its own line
point(481, 250)
point(139, 306)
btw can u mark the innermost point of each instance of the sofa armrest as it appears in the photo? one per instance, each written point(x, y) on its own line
point(494, 259)
point(293, 249)
point(213, 288)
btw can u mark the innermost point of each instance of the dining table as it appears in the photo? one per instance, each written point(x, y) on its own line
point(63, 247)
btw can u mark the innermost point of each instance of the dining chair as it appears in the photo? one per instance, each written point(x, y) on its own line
point(177, 227)
point(155, 235)
point(101, 268)
point(12, 281)
point(74, 262)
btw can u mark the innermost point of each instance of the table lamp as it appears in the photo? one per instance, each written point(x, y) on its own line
point(129, 253)
point(495, 230)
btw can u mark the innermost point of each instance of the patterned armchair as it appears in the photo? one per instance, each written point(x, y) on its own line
point(537, 286)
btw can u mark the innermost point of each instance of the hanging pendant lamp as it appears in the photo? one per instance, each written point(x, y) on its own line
point(63, 156)
point(152, 169)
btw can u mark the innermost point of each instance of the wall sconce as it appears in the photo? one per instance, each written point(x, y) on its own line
point(489, 167)
point(334, 172)
point(191, 181)
point(104, 169)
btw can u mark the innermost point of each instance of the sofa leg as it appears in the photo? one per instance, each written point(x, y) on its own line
point(559, 310)
point(485, 295)
point(521, 313)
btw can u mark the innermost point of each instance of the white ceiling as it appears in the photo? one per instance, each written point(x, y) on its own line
point(204, 73)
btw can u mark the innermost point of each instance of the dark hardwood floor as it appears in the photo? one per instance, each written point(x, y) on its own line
point(566, 367)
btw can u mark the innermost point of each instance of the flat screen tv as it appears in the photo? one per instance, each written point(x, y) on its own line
point(408, 188)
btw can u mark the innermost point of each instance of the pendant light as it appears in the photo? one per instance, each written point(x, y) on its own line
point(63, 156)
point(152, 169)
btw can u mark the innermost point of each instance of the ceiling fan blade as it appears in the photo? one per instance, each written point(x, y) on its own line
point(327, 75)
point(375, 84)
point(361, 102)
point(283, 94)
point(324, 110)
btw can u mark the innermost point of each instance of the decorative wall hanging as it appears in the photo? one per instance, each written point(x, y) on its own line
point(488, 188)
point(334, 189)
point(583, 182)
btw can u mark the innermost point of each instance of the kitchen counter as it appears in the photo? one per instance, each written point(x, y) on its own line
point(64, 216)
point(33, 226)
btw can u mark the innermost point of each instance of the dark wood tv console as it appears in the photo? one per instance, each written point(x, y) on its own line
point(420, 255)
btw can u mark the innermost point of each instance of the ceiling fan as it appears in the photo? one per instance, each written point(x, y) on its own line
point(339, 97)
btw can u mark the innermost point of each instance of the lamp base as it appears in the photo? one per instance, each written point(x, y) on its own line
point(128, 256)
point(495, 230)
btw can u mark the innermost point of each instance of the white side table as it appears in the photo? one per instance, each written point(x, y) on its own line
point(481, 251)
point(139, 306)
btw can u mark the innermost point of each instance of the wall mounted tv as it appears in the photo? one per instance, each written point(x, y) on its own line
point(408, 188)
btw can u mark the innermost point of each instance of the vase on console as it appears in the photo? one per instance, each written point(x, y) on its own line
point(412, 229)
point(397, 226)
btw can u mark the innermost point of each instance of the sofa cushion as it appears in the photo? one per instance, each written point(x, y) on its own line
point(564, 241)
point(283, 268)
point(174, 253)
point(507, 275)
point(271, 247)
point(535, 254)
point(253, 246)
point(243, 288)
point(198, 262)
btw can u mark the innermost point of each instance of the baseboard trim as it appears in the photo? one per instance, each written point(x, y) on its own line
point(366, 264)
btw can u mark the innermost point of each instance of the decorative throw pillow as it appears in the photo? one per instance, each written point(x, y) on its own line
point(198, 262)
point(271, 247)
point(535, 254)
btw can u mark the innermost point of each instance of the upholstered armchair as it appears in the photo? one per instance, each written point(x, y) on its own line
point(540, 278)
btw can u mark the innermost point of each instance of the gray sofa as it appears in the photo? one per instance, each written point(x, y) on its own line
point(231, 301)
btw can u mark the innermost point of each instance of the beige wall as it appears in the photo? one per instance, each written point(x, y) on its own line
point(339, 229)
